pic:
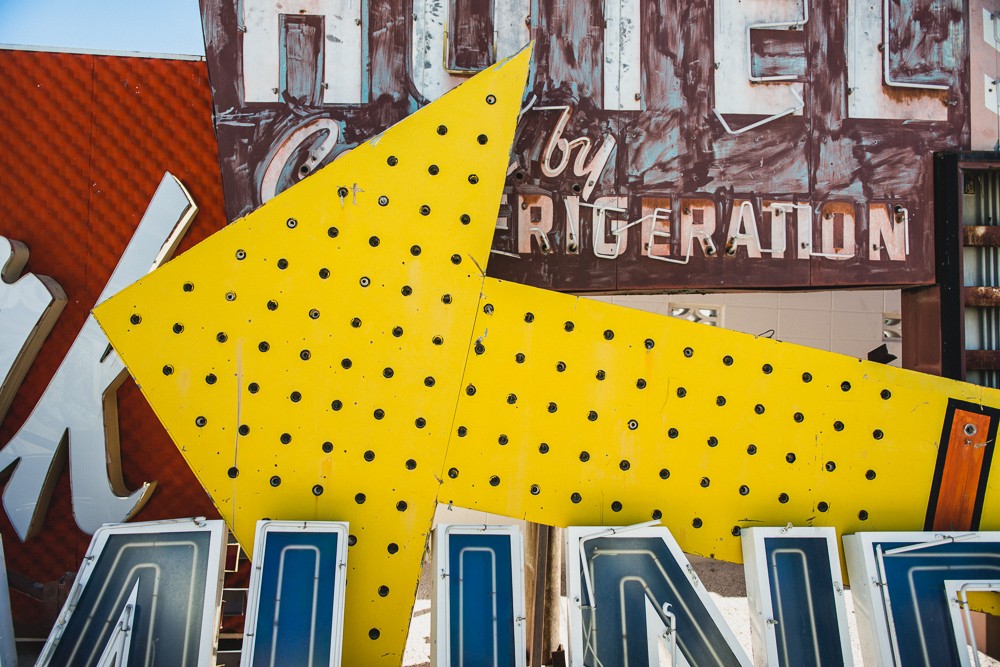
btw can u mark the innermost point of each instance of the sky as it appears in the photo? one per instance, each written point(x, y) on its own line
point(149, 26)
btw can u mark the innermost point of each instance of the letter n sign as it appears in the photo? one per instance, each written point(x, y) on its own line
point(635, 600)
point(796, 595)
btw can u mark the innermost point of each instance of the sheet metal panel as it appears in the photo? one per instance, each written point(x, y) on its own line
point(645, 416)
point(711, 100)
point(263, 350)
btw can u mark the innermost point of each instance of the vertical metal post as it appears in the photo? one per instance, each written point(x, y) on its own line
point(541, 560)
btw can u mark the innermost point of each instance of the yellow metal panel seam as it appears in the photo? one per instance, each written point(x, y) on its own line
point(306, 359)
point(338, 317)
point(726, 431)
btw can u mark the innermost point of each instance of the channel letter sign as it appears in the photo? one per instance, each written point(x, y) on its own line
point(478, 613)
point(295, 608)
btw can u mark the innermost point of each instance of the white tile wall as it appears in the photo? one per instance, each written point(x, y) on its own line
point(805, 300)
point(845, 322)
point(852, 325)
point(801, 323)
point(859, 302)
point(750, 319)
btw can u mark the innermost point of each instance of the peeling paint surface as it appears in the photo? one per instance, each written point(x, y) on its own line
point(723, 101)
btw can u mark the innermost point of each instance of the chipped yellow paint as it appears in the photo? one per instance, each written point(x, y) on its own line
point(306, 359)
point(645, 416)
point(327, 358)
point(986, 602)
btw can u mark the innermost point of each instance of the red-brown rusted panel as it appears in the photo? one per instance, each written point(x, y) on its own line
point(917, 32)
point(778, 52)
point(982, 360)
point(86, 140)
point(982, 297)
point(981, 235)
point(470, 34)
point(666, 144)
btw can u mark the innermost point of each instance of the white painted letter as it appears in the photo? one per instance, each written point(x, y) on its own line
point(79, 408)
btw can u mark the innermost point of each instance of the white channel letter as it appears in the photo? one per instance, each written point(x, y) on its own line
point(79, 409)
point(868, 77)
point(888, 229)
point(30, 305)
point(622, 55)
point(534, 219)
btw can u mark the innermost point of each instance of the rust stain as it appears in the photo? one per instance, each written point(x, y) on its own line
point(981, 235)
point(982, 297)
point(673, 147)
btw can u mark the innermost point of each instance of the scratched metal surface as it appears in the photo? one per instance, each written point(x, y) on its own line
point(855, 141)
point(86, 140)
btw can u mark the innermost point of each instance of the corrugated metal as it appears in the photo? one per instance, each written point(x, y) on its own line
point(981, 208)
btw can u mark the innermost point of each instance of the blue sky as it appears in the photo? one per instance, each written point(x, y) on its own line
point(151, 26)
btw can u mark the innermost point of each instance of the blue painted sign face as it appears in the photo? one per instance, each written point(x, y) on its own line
point(163, 577)
point(635, 587)
point(479, 596)
point(899, 585)
point(794, 588)
point(804, 600)
point(296, 604)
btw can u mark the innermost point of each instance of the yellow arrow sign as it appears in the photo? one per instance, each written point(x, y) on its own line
point(339, 354)
point(306, 360)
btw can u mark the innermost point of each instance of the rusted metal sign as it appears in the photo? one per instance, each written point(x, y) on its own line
point(693, 145)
